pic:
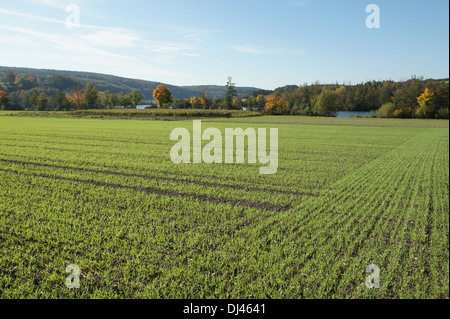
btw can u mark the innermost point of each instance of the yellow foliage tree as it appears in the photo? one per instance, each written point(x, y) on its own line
point(426, 109)
point(195, 102)
point(426, 97)
point(204, 101)
point(275, 104)
point(237, 104)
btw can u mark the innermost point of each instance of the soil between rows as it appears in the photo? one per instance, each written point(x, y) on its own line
point(156, 191)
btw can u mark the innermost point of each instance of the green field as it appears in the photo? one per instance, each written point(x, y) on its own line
point(104, 195)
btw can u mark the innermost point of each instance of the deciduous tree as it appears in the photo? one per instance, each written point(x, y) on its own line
point(34, 98)
point(43, 101)
point(387, 92)
point(10, 77)
point(124, 100)
point(426, 108)
point(136, 98)
point(425, 98)
point(327, 103)
point(260, 102)
point(387, 110)
point(4, 99)
point(180, 103)
point(113, 100)
point(204, 101)
point(61, 101)
point(216, 103)
point(91, 95)
point(77, 99)
point(405, 96)
point(63, 82)
point(25, 83)
point(194, 102)
point(163, 96)
point(275, 104)
point(39, 102)
point(237, 104)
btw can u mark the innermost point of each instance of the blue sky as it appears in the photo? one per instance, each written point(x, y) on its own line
point(265, 44)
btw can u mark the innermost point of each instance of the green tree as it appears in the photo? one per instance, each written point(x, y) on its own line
point(91, 95)
point(314, 90)
point(136, 98)
point(304, 98)
point(61, 101)
point(371, 97)
point(387, 91)
point(387, 110)
point(405, 97)
point(230, 95)
point(34, 100)
point(103, 99)
point(180, 103)
point(357, 98)
point(341, 97)
point(25, 83)
point(63, 82)
point(10, 77)
point(113, 100)
point(260, 102)
point(250, 103)
point(124, 100)
point(327, 103)
point(216, 103)
point(39, 102)
point(441, 100)
point(43, 101)
point(298, 100)
point(289, 96)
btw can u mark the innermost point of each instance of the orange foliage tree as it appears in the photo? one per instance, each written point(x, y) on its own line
point(4, 98)
point(76, 98)
point(398, 113)
point(275, 104)
point(163, 96)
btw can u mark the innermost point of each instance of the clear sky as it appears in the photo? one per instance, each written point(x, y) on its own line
point(264, 44)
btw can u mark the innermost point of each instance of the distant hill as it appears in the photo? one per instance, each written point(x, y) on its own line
point(116, 84)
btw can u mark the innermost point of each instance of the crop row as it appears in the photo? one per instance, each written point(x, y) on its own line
point(141, 227)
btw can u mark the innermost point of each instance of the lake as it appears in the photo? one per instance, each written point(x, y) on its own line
point(352, 114)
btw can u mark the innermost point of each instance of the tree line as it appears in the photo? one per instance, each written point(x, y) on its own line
point(59, 93)
point(414, 98)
